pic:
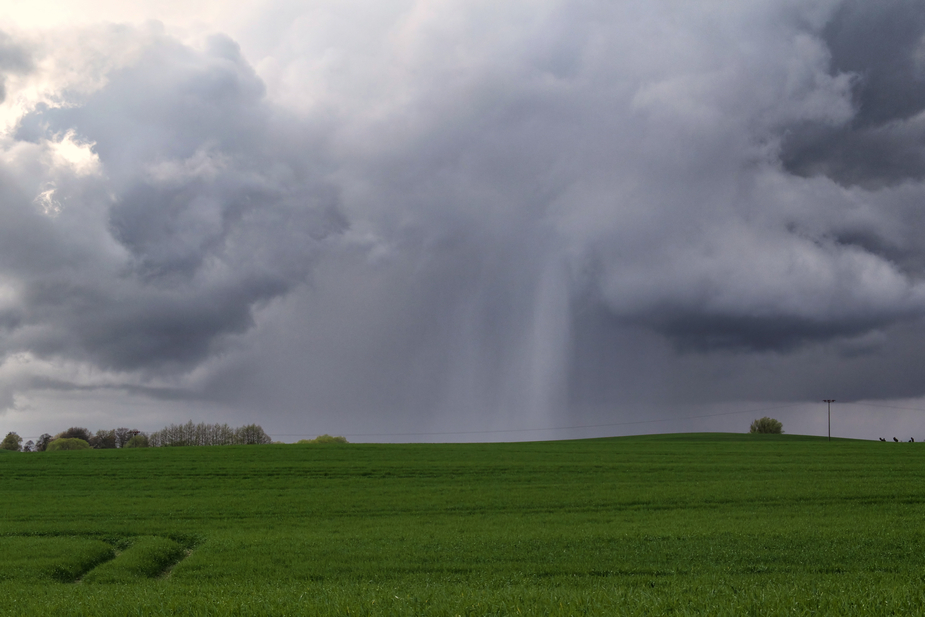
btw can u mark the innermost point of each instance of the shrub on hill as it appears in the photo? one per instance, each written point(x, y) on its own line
point(766, 425)
point(324, 439)
point(67, 443)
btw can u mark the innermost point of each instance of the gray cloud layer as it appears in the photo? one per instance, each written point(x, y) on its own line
point(494, 217)
point(207, 206)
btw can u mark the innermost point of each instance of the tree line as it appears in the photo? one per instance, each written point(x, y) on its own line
point(189, 434)
point(202, 434)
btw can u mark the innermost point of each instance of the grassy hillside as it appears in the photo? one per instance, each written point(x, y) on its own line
point(683, 524)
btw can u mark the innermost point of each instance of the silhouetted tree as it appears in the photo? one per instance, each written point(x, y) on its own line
point(42, 442)
point(75, 432)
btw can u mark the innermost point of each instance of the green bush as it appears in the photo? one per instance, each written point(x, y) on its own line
point(766, 425)
point(67, 443)
point(138, 441)
point(324, 439)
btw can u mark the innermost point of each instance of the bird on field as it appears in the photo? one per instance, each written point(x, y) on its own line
point(882, 439)
point(896, 440)
point(912, 440)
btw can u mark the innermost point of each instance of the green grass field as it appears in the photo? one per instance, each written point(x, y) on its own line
point(673, 524)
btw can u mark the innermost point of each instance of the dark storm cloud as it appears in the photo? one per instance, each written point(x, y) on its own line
point(882, 45)
point(745, 332)
point(205, 209)
point(472, 215)
point(540, 221)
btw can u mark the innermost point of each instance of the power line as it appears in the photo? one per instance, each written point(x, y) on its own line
point(887, 406)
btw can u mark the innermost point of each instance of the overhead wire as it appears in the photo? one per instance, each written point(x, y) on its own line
point(885, 406)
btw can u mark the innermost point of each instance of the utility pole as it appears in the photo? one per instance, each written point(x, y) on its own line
point(829, 401)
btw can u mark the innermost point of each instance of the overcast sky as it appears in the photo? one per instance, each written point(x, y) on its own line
point(403, 220)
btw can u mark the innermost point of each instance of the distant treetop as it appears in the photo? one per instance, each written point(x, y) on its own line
point(324, 439)
point(766, 425)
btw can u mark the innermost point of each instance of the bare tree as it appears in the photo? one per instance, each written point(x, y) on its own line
point(103, 440)
point(122, 435)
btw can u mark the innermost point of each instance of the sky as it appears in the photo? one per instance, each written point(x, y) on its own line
point(433, 220)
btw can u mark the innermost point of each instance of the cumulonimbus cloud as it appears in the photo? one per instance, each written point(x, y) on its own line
point(732, 180)
point(197, 205)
